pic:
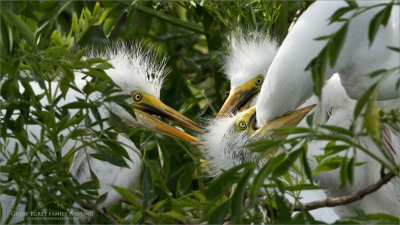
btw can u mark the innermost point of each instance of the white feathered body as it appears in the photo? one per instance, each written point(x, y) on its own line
point(337, 109)
point(288, 84)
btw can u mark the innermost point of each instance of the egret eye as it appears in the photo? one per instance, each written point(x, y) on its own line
point(137, 97)
point(259, 80)
point(242, 125)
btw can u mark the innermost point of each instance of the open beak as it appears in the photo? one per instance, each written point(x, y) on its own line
point(291, 119)
point(149, 105)
point(155, 124)
point(239, 98)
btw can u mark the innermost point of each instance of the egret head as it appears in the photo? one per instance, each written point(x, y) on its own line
point(227, 138)
point(246, 64)
point(138, 73)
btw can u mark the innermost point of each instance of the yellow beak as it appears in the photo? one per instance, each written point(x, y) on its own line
point(155, 124)
point(148, 104)
point(291, 119)
point(240, 98)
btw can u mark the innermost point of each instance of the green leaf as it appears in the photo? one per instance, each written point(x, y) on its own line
point(371, 118)
point(97, 116)
point(335, 44)
point(337, 129)
point(223, 182)
point(80, 104)
point(126, 194)
point(287, 163)
point(74, 24)
point(327, 164)
point(318, 67)
point(111, 21)
point(350, 170)
point(337, 15)
point(147, 186)
point(363, 100)
point(352, 4)
point(265, 146)
point(284, 215)
point(387, 12)
point(238, 197)
point(21, 26)
point(374, 24)
point(396, 49)
point(343, 173)
point(219, 214)
point(109, 156)
point(305, 164)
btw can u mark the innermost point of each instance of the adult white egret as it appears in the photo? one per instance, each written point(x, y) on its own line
point(336, 109)
point(288, 84)
point(286, 87)
point(137, 72)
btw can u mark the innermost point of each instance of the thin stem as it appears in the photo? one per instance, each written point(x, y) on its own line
point(189, 26)
point(344, 200)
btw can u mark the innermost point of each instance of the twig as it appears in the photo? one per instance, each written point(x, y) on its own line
point(298, 14)
point(344, 200)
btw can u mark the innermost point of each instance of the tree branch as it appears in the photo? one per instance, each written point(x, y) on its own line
point(344, 200)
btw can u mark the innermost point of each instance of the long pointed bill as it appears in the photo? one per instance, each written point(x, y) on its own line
point(289, 120)
point(155, 124)
point(151, 105)
point(240, 97)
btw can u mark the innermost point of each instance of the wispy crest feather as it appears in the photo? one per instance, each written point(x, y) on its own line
point(224, 146)
point(251, 53)
point(135, 68)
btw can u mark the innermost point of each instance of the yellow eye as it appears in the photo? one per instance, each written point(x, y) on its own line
point(137, 97)
point(259, 80)
point(242, 125)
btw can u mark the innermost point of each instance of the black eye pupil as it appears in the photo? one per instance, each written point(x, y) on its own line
point(138, 97)
point(259, 81)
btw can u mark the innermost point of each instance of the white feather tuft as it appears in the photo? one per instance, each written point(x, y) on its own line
point(250, 54)
point(135, 68)
point(224, 146)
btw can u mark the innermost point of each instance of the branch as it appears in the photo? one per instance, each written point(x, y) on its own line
point(344, 200)
point(296, 17)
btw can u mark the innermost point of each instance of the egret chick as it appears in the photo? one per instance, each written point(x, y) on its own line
point(245, 65)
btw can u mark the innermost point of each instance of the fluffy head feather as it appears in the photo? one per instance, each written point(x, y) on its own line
point(135, 68)
point(250, 54)
point(224, 146)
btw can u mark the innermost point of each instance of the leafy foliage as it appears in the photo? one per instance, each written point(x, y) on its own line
point(43, 45)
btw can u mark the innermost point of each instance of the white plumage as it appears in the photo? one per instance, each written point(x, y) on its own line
point(336, 109)
point(288, 84)
point(134, 68)
point(250, 54)
point(224, 144)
